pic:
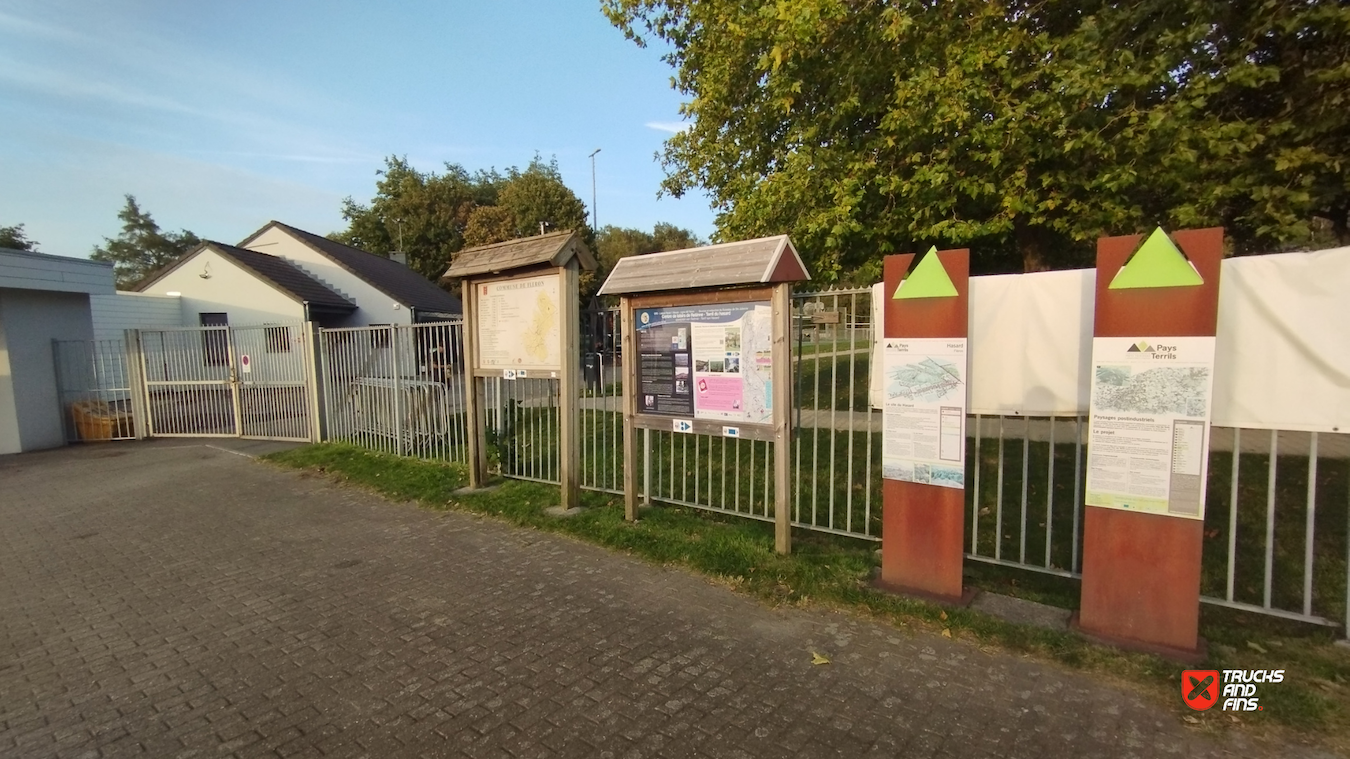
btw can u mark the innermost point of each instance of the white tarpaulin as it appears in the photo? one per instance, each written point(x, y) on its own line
point(1282, 359)
point(1029, 353)
point(1283, 355)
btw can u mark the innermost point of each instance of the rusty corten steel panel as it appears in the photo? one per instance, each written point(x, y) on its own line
point(923, 526)
point(1141, 572)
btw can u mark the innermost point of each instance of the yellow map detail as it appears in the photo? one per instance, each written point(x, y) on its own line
point(535, 338)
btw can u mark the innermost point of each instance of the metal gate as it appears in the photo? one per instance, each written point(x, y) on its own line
point(251, 382)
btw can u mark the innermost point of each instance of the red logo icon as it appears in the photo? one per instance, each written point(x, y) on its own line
point(1200, 688)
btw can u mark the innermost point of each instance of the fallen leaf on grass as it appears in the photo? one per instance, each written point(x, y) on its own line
point(1253, 645)
point(818, 659)
point(946, 633)
point(943, 615)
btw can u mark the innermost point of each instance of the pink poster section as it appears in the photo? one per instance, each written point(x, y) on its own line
point(718, 395)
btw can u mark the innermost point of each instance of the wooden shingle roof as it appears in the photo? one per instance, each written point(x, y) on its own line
point(553, 249)
point(748, 262)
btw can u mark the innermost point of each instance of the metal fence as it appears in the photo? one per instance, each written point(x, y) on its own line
point(395, 389)
point(1277, 517)
point(94, 387)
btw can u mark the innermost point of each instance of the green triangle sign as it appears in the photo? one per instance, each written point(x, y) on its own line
point(1157, 263)
point(928, 280)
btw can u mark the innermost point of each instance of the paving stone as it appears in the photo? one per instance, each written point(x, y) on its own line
point(180, 599)
point(1022, 611)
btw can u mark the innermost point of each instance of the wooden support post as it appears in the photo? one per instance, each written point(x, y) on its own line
point(782, 413)
point(473, 399)
point(569, 443)
point(630, 394)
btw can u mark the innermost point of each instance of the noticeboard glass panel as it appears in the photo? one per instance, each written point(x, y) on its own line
point(710, 362)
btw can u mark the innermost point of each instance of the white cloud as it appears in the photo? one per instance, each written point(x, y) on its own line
point(674, 127)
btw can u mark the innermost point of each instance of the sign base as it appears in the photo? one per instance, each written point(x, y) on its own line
point(924, 527)
point(962, 601)
point(1178, 655)
point(1141, 579)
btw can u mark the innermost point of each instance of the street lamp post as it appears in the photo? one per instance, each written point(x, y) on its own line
point(595, 224)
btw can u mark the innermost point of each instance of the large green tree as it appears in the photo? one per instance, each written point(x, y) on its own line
point(438, 214)
point(141, 248)
point(613, 243)
point(1022, 129)
point(424, 212)
point(14, 238)
point(538, 196)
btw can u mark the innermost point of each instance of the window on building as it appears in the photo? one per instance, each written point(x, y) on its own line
point(215, 342)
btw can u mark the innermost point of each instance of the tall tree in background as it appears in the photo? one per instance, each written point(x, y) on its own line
point(430, 210)
point(613, 243)
point(439, 214)
point(141, 248)
point(537, 195)
point(15, 238)
point(1021, 129)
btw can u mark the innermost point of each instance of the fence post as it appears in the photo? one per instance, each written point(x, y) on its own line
point(313, 352)
point(646, 467)
point(140, 406)
point(397, 373)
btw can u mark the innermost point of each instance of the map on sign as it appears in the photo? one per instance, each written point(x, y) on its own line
point(519, 324)
point(929, 380)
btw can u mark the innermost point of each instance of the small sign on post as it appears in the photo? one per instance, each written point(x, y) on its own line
point(245, 363)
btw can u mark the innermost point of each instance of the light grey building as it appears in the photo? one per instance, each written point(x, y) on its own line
point(42, 298)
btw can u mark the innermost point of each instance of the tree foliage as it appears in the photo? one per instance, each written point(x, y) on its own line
point(1024, 130)
point(430, 211)
point(14, 238)
point(613, 243)
point(442, 213)
point(141, 248)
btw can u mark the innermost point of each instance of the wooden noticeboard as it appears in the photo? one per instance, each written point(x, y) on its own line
point(522, 320)
point(706, 351)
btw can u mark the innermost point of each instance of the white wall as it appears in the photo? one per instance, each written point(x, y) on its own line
point(31, 417)
point(113, 314)
point(373, 306)
point(231, 289)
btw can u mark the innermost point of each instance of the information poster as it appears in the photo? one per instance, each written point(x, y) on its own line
point(924, 411)
point(1148, 434)
point(519, 324)
point(707, 362)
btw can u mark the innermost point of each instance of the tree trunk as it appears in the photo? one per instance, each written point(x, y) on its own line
point(1031, 244)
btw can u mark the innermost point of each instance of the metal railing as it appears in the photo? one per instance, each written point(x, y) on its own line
point(94, 388)
point(395, 389)
point(1277, 517)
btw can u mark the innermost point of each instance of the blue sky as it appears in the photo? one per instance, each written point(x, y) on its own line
point(221, 116)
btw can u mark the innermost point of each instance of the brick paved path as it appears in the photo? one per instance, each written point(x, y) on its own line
point(167, 601)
